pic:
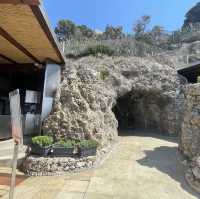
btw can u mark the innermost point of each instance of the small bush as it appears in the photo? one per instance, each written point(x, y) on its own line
point(118, 47)
point(88, 144)
point(198, 79)
point(98, 49)
point(104, 74)
point(42, 141)
point(66, 143)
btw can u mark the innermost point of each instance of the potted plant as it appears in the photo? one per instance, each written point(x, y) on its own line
point(87, 148)
point(63, 148)
point(41, 145)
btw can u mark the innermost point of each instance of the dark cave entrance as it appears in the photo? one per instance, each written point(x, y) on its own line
point(142, 110)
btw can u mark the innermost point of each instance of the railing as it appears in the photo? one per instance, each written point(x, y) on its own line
point(183, 80)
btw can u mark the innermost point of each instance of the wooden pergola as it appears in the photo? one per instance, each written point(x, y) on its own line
point(25, 35)
point(30, 60)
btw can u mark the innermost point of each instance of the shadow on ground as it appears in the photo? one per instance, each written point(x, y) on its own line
point(165, 160)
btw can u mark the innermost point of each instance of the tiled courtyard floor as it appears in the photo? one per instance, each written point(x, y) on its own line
point(139, 167)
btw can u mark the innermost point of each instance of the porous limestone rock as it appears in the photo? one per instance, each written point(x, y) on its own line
point(190, 134)
point(90, 87)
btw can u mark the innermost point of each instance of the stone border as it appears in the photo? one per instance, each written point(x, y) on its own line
point(195, 184)
point(189, 177)
point(55, 166)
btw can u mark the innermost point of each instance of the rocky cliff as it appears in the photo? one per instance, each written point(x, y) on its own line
point(91, 87)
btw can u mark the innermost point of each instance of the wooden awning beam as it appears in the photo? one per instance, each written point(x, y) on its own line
point(28, 2)
point(9, 38)
point(26, 68)
point(8, 59)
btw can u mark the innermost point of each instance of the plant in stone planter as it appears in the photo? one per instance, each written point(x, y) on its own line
point(63, 148)
point(87, 148)
point(41, 145)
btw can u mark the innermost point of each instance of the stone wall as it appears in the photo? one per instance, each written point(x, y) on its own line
point(47, 166)
point(90, 88)
point(190, 133)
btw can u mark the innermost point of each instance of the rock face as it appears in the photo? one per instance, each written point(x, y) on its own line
point(90, 89)
point(190, 134)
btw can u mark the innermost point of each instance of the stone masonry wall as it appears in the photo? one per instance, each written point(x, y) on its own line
point(190, 133)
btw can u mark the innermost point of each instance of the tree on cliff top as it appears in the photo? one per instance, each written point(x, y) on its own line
point(113, 32)
point(140, 27)
point(65, 29)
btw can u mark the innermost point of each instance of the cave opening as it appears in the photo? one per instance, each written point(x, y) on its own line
point(142, 111)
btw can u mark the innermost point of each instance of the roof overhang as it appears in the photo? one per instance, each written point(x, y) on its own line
point(25, 34)
point(190, 71)
point(28, 2)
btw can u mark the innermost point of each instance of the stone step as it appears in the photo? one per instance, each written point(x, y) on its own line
point(9, 151)
point(6, 161)
point(6, 144)
point(6, 153)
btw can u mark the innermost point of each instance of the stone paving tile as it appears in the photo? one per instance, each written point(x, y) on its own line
point(139, 168)
point(70, 195)
point(46, 194)
point(100, 185)
point(75, 186)
point(82, 175)
point(97, 196)
point(23, 192)
point(3, 190)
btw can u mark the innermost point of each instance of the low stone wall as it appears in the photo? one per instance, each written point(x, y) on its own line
point(47, 166)
point(190, 135)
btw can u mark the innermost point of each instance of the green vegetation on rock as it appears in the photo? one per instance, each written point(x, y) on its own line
point(88, 144)
point(65, 143)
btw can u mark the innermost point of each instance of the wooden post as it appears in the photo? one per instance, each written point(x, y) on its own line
point(13, 175)
point(17, 134)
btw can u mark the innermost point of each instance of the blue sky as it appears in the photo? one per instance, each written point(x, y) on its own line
point(98, 13)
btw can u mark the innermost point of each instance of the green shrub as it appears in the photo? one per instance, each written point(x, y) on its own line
point(66, 143)
point(88, 144)
point(198, 79)
point(104, 74)
point(42, 141)
point(118, 47)
point(98, 49)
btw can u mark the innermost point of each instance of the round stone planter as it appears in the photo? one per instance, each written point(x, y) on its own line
point(35, 165)
point(47, 166)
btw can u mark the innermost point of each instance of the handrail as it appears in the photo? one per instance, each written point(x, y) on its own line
point(183, 80)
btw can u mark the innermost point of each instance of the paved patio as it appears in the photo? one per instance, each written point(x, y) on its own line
point(139, 167)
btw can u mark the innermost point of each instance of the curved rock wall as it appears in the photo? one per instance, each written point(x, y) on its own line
point(190, 133)
point(90, 87)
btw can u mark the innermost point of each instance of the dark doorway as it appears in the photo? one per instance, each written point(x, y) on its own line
point(141, 110)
